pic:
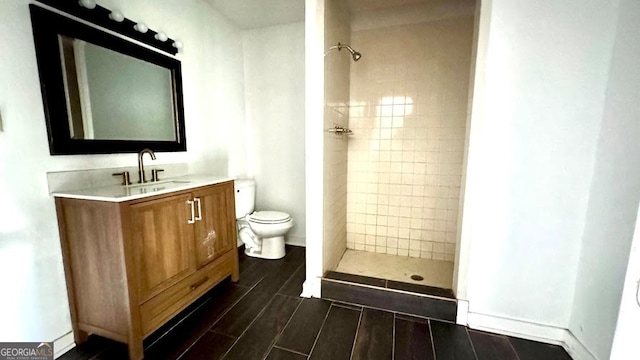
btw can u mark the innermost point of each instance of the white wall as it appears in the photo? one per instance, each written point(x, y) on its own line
point(314, 143)
point(34, 306)
point(274, 95)
point(532, 154)
point(408, 12)
point(614, 197)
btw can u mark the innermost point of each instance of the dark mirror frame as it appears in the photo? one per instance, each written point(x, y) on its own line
point(46, 28)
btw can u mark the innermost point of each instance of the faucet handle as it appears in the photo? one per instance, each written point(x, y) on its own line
point(154, 174)
point(125, 178)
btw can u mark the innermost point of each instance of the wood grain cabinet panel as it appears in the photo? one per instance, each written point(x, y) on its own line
point(215, 232)
point(132, 266)
point(163, 243)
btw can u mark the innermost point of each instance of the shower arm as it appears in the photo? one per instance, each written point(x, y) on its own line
point(354, 54)
point(340, 46)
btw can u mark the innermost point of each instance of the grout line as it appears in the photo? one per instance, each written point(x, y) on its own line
point(433, 343)
point(435, 319)
point(277, 337)
point(289, 278)
point(466, 331)
point(249, 326)
point(387, 310)
point(320, 331)
point(346, 305)
point(393, 343)
point(249, 267)
point(217, 320)
point(289, 350)
point(178, 323)
point(234, 304)
point(363, 279)
point(355, 339)
point(373, 287)
point(197, 308)
point(512, 348)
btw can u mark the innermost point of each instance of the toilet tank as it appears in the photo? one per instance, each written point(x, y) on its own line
point(245, 193)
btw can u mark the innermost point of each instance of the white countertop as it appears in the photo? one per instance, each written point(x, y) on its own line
point(119, 193)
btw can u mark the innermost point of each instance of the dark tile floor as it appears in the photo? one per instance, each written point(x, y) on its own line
point(262, 317)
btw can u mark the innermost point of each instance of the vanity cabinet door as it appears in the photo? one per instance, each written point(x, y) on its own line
point(163, 242)
point(215, 231)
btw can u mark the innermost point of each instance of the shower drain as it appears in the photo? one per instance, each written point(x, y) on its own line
point(416, 277)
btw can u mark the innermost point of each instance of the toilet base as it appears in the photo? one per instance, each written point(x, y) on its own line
point(272, 248)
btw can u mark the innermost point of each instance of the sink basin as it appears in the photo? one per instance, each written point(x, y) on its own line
point(163, 183)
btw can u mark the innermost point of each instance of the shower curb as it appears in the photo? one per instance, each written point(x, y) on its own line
point(423, 305)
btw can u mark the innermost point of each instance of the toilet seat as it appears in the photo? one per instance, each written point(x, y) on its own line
point(268, 217)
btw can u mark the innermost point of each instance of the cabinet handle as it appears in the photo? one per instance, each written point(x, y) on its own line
point(191, 204)
point(199, 216)
point(199, 283)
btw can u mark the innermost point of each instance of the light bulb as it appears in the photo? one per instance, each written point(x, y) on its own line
point(116, 16)
point(177, 44)
point(141, 27)
point(161, 36)
point(89, 4)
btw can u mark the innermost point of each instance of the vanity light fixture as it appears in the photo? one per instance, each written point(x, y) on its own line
point(161, 36)
point(114, 20)
point(89, 4)
point(177, 44)
point(141, 27)
point(116, 16)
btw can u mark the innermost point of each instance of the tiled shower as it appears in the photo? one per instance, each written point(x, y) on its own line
point(408, 111)
point(407, 108)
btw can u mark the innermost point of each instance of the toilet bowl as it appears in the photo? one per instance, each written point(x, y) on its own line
point(261, 232)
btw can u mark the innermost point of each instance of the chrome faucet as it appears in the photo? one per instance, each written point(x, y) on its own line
point(141, 176)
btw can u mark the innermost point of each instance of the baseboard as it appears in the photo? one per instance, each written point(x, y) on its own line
point(575, 348)
point(295, 240)
point(63, 344)
point(532, 331)
point(462, 317)
point(311, 288)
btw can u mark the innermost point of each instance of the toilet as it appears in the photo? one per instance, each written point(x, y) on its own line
point(261, 232)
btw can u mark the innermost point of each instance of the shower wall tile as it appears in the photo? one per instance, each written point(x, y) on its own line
point(336, 112)
point(408, 110)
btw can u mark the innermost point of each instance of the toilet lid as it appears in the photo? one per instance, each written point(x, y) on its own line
point(269, 217)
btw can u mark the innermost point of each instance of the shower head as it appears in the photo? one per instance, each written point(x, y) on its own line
point(354, 54)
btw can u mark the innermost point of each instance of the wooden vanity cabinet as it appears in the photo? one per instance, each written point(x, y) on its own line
point(216, 233)
point(131, 266)
point(162, 250)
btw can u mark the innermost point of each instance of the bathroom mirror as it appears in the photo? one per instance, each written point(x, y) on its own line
point(105, 94)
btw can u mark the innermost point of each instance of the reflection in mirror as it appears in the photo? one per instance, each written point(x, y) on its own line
point(112, 96)
point(104, 94)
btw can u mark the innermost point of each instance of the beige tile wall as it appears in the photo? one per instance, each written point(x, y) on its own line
point(336, 112)
point(408, 112)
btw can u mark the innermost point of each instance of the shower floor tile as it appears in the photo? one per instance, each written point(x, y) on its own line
point(436, 273)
